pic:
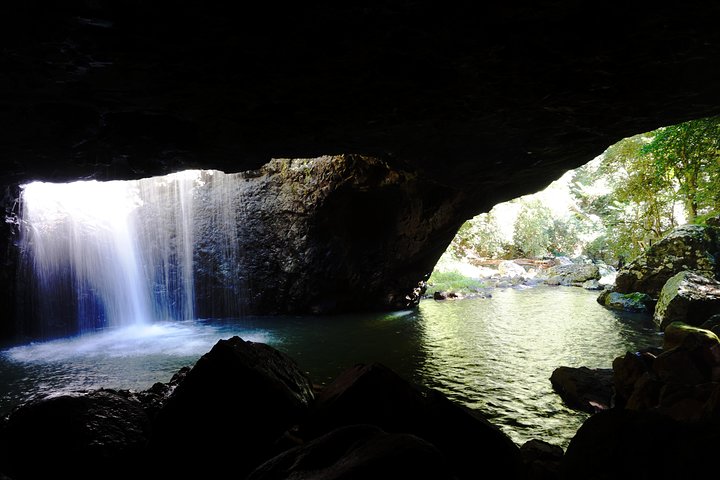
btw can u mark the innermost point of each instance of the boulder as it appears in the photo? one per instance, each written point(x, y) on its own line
point(689, 247)
point(627, 370)
point(585, 389)
point(573, 274)
point(542, 459)
point(628, 302)
point(355, 452)
point(621, 443)
point(712, 324)
point(687, 297)
point(373, 394)
point(234, 404)
point(510, 269)
point(102, 433)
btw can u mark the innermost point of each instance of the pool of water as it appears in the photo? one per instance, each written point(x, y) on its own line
point(493, 354)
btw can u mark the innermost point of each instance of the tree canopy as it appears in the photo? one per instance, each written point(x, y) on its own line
point(627, 198)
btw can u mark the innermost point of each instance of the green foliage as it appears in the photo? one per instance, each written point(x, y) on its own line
point(479, 237)
point(635, 193)
point(450, 281)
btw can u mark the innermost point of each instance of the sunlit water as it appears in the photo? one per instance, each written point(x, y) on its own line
point(494, 354)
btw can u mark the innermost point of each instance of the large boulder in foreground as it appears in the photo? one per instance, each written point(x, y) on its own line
point(689, 247)
point(621, 443)
point(357, 452)
point(229, 410)
point(99, 434)
point(687, 297)
point(374, 394)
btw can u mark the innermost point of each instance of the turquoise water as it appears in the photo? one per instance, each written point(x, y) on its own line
point(493, 354)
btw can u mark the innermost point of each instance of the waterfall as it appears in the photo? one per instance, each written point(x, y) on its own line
point(122, 253)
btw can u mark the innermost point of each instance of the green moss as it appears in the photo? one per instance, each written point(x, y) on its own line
point(443, 281)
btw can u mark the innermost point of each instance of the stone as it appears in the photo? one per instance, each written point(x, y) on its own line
point(582, 388)
point(358, 451)
point(621, 443)
point(687, 297)
point(679, 333)
point(241, 396)
point(510, 269)
point(76, 435)
point(574, 274)
point(542, 459)
point(626, 372)
point(646, 392)
point(629, 302)
point(373, 394)
point(688, 247)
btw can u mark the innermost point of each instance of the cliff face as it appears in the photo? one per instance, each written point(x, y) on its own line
point(476, 103)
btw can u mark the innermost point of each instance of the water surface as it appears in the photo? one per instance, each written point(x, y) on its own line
point(492, 354)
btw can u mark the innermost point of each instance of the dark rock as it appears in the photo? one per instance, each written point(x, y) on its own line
point(679, 333)
point(629, 302)
point(686, 402)
point(374, 394)
point(358, 452)
point(646, 392)
point(582, 388)
point(235, 403)
point(689, 247)
point(621, 443)
point(626, 372)
point(689, 298)
point(542, 460)
point(76, 435)
point(680, 365)
point(712, 324)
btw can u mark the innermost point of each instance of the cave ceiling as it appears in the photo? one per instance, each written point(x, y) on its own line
point(495, 99)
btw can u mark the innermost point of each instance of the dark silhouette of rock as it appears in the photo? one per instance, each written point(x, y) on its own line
point(626, 371)
point(621, 443)
point(542, 459)
point(583, 388)
point(358, 452)
point(102, 433)
point(230, 409)
point(374, 394)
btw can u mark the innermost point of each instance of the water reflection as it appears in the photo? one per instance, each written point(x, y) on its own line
point(497, 354)
point(493, 354)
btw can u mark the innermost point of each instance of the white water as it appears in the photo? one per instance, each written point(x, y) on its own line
point(122, 253)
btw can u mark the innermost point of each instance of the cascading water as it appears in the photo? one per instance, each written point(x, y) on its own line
point(120, 253)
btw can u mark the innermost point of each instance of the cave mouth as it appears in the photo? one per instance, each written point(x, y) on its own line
point(96, 255)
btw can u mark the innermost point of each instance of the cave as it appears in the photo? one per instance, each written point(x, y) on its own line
point(467, 105)
point(365, 134)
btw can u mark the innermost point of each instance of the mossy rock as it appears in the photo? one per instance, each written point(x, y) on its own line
point(677, 333)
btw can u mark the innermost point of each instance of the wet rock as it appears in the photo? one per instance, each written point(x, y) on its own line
point(629, 302)
point(355, 452)
point(687, 297)
point(76, 435)
point(239, 397)
point(689, 247)
point(592, 285)
point(712, 324)
point(585, 389)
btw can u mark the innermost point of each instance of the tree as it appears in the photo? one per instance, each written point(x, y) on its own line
point(688, 155)
point(532, 229)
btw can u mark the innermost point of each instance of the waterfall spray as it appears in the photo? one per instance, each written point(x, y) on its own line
point(120, 253)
